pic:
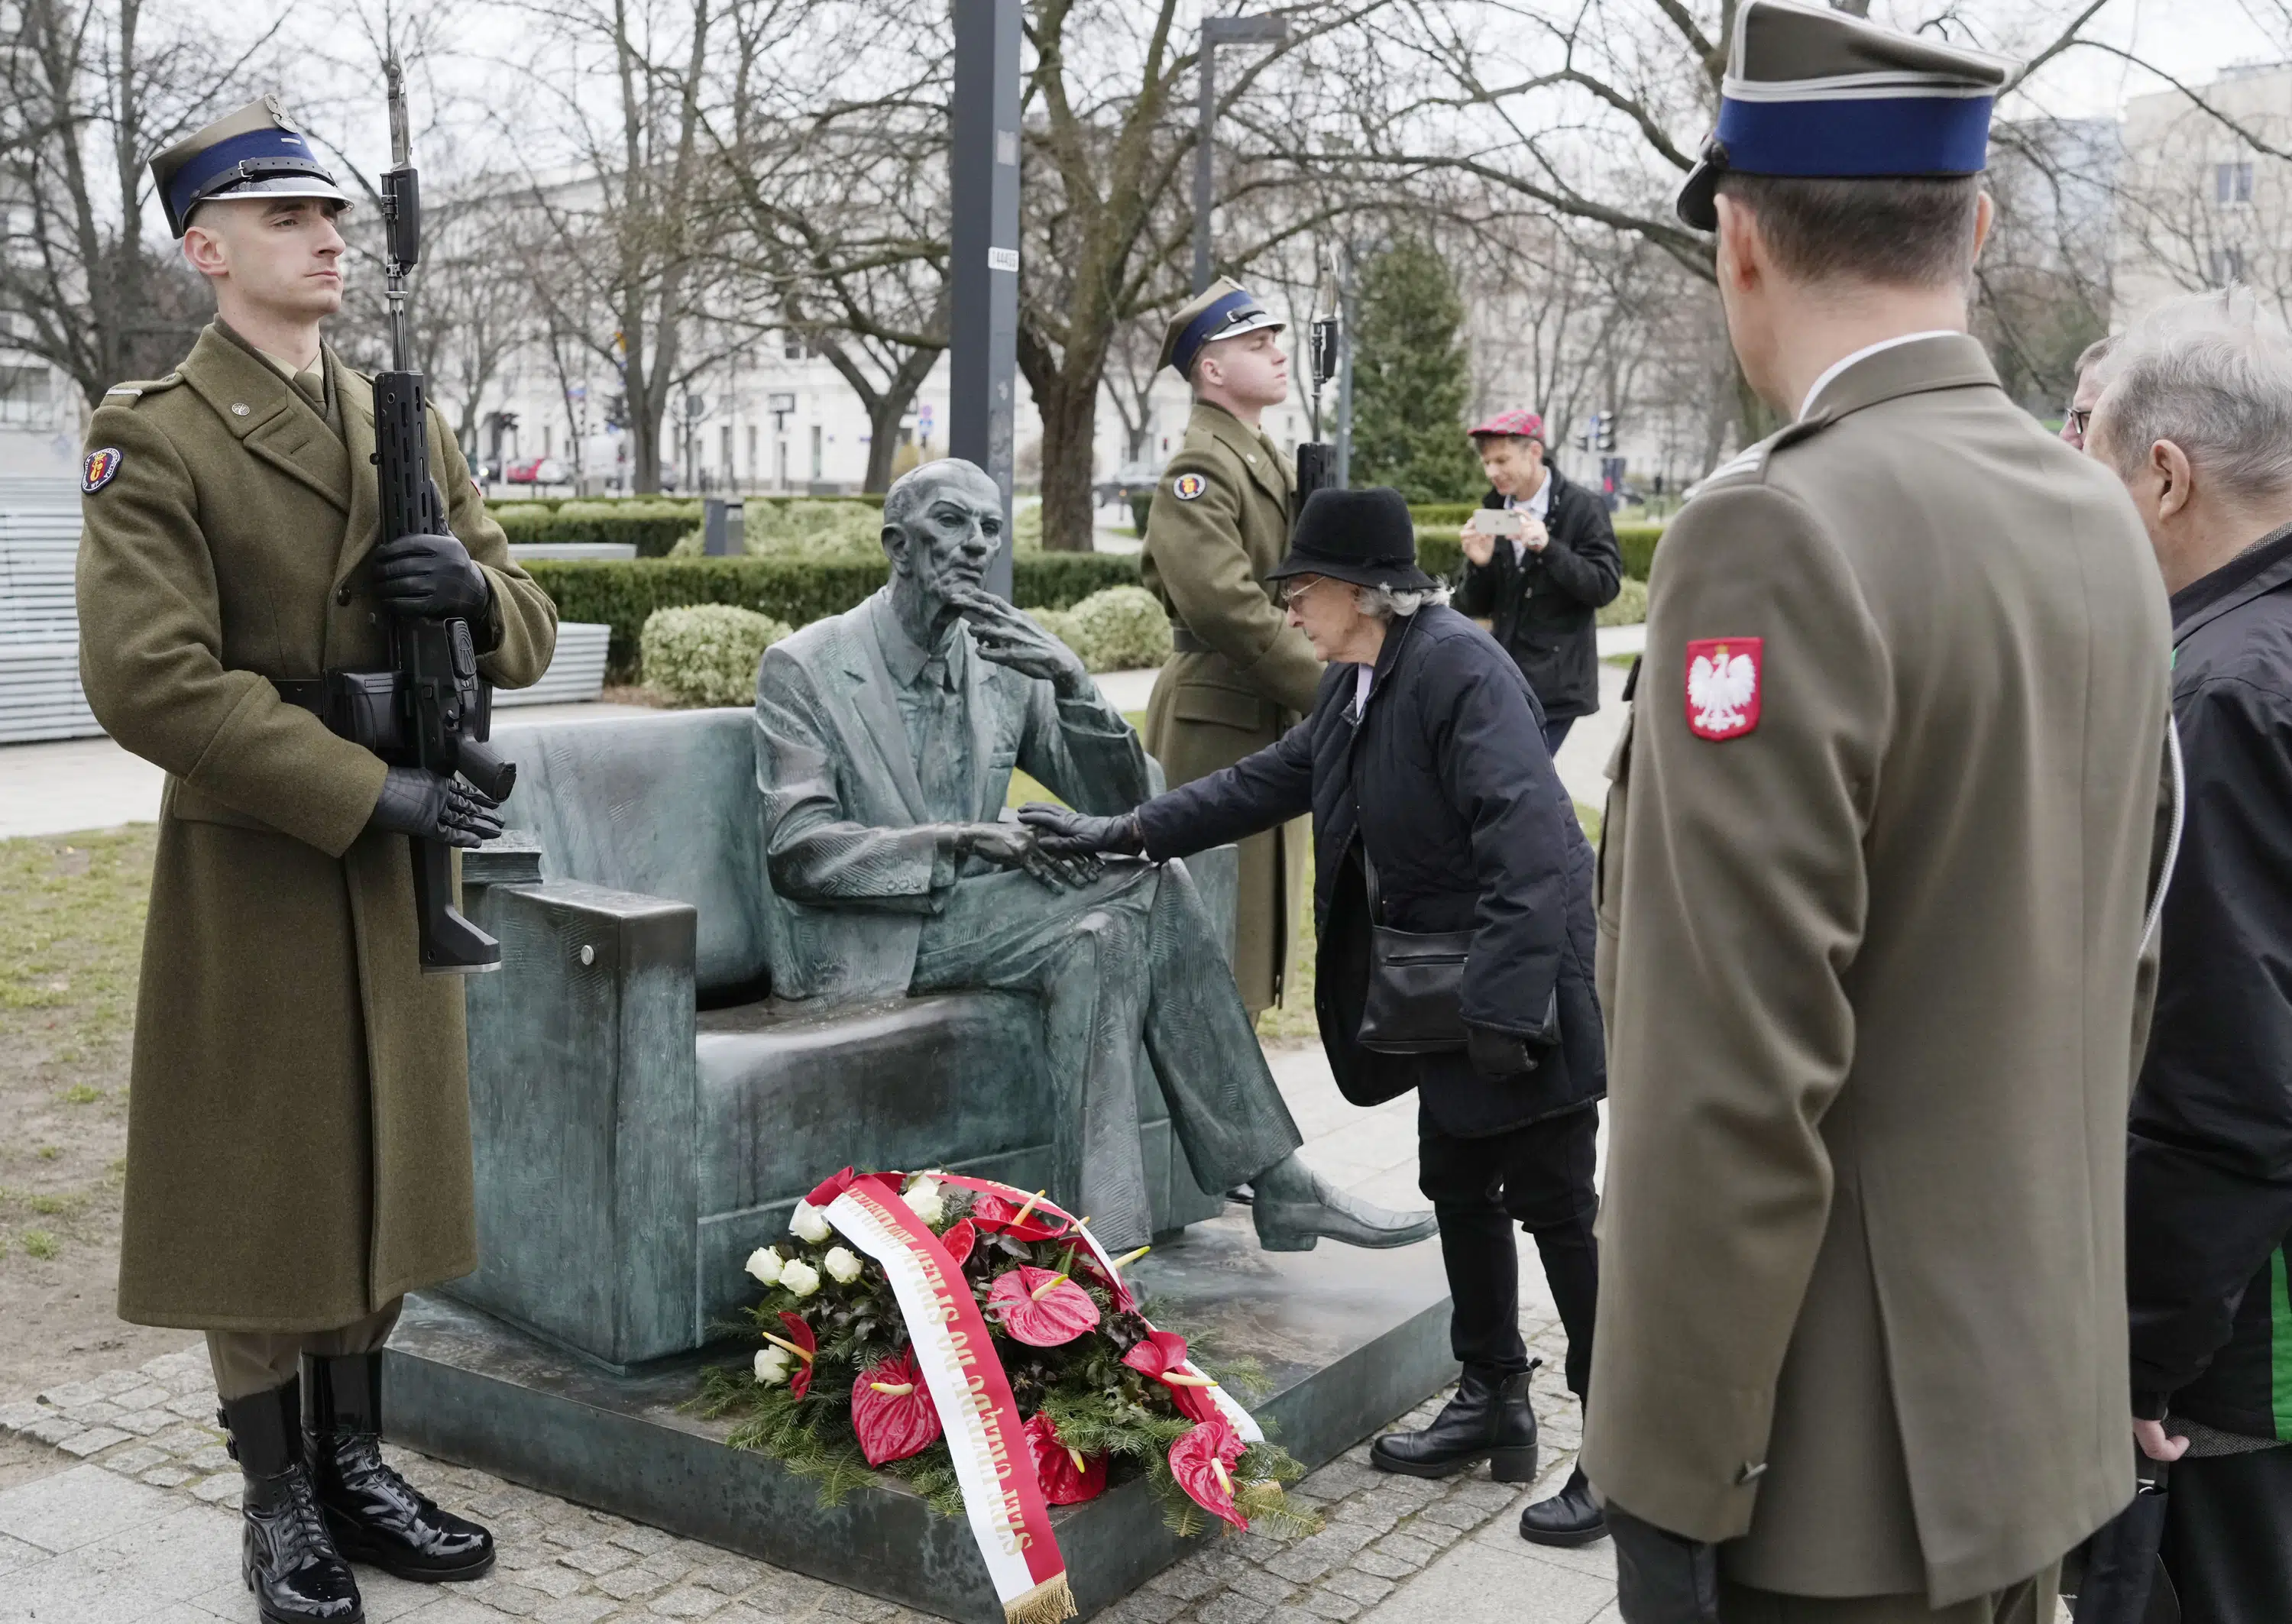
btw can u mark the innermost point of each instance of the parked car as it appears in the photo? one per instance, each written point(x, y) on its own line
point(536, 470)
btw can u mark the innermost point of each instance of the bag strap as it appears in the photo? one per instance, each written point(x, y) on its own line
point(1368, 873)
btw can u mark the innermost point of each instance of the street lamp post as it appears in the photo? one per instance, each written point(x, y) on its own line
point(983, 249)
point(1219, 31)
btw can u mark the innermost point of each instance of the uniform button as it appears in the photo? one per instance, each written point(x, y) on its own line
point(343, 596)
point(239, 408)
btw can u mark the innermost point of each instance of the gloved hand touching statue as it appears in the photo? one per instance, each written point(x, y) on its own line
point(1064, 833)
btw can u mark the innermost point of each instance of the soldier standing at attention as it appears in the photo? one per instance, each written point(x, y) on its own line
point(1878, 875)
point(298, 1151)
point(1238, 676)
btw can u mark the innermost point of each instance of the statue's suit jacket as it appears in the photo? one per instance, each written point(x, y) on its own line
point(851, 869)
point(1872, 977)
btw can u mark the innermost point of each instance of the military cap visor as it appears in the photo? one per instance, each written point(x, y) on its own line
point(255, 152)
point(1226, 309)
point(1818, 94)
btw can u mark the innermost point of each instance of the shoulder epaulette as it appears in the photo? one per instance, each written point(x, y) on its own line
point(1751, 462)
point(138, 387)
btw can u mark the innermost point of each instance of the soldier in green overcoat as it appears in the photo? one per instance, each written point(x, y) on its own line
point(299, 1138)
point(1239, 676)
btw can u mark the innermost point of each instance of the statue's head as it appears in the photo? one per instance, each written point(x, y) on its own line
point(942, 525)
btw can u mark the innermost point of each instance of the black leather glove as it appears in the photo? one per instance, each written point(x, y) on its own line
point(432, 575)
point(1064, 833)
point(428, 807)
point(1662, 1578)
point(1500, 1054)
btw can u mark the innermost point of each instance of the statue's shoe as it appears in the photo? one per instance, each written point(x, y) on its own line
point(1296, 1208)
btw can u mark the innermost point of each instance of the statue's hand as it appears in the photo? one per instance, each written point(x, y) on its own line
point(1011, 845)
point(1067, 833)
point(1010, 636)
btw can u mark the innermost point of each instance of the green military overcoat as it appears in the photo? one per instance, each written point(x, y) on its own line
point(1240, 677)
point(1877, 870)
point(298, 1149)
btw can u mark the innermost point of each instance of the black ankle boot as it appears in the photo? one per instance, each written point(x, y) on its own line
point(376, 1516)
point(1569, 1517)
point(286, 1555)
point(1488, 1419)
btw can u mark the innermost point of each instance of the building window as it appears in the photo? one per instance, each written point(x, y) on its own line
point(2233, 182)
point(724, 452)
point(2227, 266)
point(792, 347)
point(752, 453)
point(24, 400)
point(819, 465)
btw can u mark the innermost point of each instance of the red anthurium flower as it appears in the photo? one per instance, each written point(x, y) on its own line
point(1162, 1355)
point(803, 1344)
point(892, 1410)
point(1068, 1477)
point(1203, 1462)
point(1024, 1221)
point(1041, 1308)
point(828, 1189)
point(959, 1239)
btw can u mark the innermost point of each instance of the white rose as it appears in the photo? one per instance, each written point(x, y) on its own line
point(808, 1224)
point(925, 1202)
point(771, 1366)
point(765, 1264)
point(801, 1278)
point(841, 1267)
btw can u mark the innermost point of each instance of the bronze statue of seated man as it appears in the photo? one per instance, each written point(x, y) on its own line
point(885, 741)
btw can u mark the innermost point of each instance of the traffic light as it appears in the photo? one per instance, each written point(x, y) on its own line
point(1590, 432)
point(1604, 424)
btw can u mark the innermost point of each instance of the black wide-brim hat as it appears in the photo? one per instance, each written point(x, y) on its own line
point(1365, 537)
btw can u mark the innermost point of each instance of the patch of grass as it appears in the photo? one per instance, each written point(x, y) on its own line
point(79, 1093)
point(39, 1244)
point(71, 913)
point(49, 1206)
point(48, 1153)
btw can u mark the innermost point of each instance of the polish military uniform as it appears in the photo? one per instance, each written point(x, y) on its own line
point(1238, 676)
point(299, 1152)
point(1878, 860)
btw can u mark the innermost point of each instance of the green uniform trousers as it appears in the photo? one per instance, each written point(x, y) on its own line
point(2030, 1602)
point(250, 1361)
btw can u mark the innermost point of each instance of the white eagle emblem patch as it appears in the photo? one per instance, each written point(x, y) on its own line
point(1723, 687)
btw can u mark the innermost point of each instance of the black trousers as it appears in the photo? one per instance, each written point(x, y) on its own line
point(1539, 1176)
point(2228, 1538)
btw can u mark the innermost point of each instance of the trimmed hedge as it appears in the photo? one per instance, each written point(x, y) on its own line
point(653, 527)
point(1637, 544)
point(623, 594)
point(706, 653)
point(1442, 554)
point(1123, 628)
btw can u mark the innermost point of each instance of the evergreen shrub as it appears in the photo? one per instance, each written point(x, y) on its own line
point(706, 653)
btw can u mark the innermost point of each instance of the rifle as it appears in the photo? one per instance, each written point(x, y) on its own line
point(1317, 460)
point(444, 709)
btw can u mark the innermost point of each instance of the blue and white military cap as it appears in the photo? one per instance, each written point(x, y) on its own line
point(257, 152)
point(1814, 92)
point(1223, 309)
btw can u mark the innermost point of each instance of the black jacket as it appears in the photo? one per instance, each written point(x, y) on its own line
point(1447, 783)
point(2208, 1187)
point(1542, 610)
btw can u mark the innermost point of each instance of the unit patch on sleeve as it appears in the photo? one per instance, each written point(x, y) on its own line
point(1185, 487)
point(100, 469)
point(1725, 685)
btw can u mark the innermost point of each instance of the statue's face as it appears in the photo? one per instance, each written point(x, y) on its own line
point(948, 538)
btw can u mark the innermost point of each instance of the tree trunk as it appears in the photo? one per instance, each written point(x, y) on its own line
point(1069, 412)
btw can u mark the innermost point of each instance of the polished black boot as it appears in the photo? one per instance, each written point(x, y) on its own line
point(286, 1555)
point(375, 1515)
point(1488, 1419)
point(1569, 1517)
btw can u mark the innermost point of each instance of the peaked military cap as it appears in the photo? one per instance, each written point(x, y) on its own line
point(257, 152)
point(1223, 309)
point(1817, 93)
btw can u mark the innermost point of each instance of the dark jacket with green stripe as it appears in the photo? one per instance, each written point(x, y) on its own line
point(2208, 1187)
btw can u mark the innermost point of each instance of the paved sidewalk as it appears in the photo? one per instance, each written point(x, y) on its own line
point(137, 1523)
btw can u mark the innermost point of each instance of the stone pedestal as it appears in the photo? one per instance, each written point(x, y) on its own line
point(1345, 1340)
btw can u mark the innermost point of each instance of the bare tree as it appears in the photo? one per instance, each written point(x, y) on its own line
point(89, 92)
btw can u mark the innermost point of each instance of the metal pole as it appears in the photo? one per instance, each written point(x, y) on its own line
point(983, 247)
point(1204, 121)
point(1349, 326)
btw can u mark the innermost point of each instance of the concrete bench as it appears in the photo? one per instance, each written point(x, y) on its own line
point(645, 1113)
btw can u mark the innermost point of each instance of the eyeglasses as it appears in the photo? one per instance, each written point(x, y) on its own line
point(1292, 590)
point(2078, 417)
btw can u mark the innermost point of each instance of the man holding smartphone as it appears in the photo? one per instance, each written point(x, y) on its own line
point(1540, 560)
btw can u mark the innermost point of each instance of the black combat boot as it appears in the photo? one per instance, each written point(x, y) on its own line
point(1488, 1419)
point(375, 1515)
point(1569, 1517)
point(286, 1555)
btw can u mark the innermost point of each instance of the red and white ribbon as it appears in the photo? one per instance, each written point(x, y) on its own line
point(956, 1351)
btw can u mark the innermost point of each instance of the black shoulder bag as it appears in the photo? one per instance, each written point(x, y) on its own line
point(1415, 1004)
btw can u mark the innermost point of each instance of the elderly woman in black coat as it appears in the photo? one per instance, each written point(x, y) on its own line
point(1424, 765)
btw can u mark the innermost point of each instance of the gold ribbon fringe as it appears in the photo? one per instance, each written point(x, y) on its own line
point(1052, 1602)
